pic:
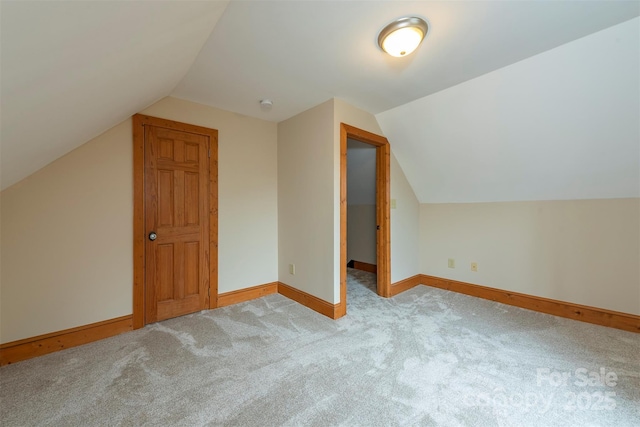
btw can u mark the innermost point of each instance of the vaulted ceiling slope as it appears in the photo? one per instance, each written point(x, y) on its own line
point(73, 69)
point(561, 125)
point(302, 53)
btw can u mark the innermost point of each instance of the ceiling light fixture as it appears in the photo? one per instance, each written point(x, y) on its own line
point(403, 36)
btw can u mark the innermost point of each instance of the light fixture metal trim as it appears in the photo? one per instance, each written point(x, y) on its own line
point(406, 22)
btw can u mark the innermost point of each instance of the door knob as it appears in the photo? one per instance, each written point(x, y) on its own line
point(153, 236)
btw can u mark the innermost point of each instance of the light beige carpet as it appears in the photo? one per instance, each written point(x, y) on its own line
point(425, 357)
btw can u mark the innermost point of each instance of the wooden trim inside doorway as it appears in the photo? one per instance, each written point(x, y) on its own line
point(383, 212)
point(139, 232)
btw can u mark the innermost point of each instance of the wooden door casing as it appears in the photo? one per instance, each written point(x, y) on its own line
point(383, 212)
point(175, 274)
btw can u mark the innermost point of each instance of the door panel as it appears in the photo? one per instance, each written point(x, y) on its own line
point(176, 209)
point(165, 198)
point(191, 268)
point(191, 198)
point(164, 263)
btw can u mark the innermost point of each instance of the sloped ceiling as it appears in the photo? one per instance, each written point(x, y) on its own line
point(300, 54)
point(73, 69)
point(561, 125)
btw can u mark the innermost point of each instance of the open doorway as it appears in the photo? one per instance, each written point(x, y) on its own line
point(361, 213)
point(382, 209)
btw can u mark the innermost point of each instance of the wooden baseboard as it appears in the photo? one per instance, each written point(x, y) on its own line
point(247, 294)
point(364, 266)
point(44, 344)
point(406, 284)
point(333, 311)
point(583, 313)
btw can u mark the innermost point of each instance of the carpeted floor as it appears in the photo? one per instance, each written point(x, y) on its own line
point(425, 357)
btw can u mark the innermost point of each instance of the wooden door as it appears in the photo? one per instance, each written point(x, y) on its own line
point(176, 181)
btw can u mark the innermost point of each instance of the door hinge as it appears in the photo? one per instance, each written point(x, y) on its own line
point(209, 152)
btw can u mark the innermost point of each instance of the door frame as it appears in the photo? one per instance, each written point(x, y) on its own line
point(383, 209)
point(139, 230)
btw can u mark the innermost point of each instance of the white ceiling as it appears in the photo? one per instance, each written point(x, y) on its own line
point(300, 54)
point(561, 125)
point(73, 69)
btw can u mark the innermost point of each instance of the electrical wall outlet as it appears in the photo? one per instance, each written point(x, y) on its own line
point(452, 263)
point(292, 269)
point(474, 266)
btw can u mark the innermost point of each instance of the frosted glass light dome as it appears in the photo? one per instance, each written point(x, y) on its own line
point(403, 36)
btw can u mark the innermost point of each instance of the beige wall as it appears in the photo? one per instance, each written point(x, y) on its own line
point(278, 188)
point(309, 195)
point(66, 230)
point(247, 191)
point(306, 201)
point(404, 219)
point(66, 240)
point(581, 251)
point(405, 225)
point(403, 250)
point(309, 199)
point(361, 233)
point(350, 115)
